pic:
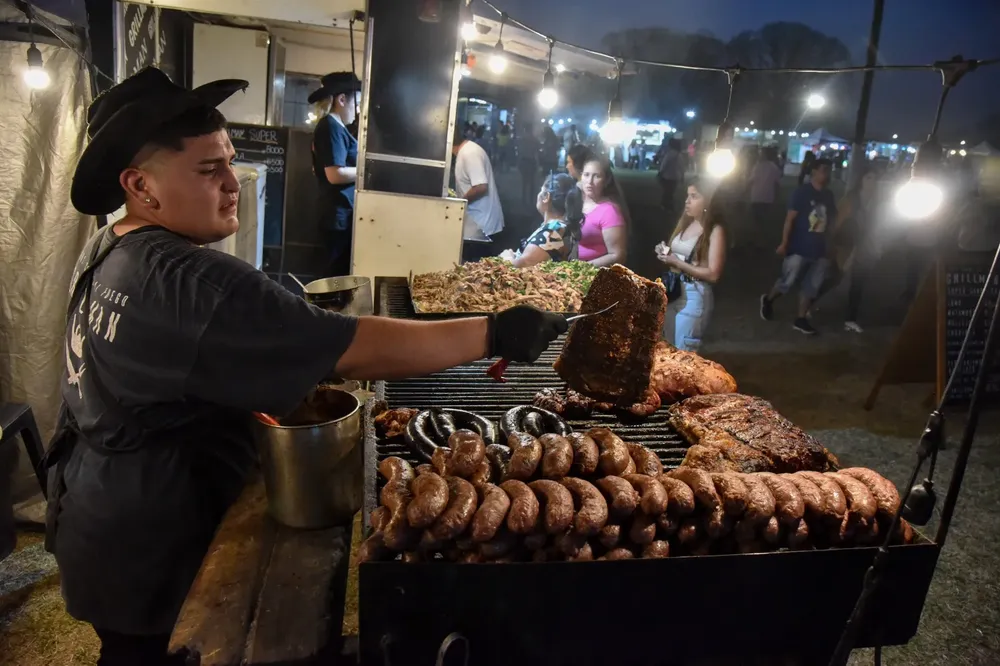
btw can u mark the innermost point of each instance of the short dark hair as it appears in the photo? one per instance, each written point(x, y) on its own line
point(820, 162)
point(580, 154)
point(198, 121)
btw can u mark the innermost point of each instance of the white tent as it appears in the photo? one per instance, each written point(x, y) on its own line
point(822, 135)
point(984, 150)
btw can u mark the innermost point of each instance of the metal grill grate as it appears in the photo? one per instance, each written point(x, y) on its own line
point(468, 387)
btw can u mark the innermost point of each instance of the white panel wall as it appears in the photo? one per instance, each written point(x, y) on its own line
point(232, 53)
point(319, 61)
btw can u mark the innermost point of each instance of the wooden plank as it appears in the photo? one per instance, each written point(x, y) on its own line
point(217, 614)
point(301, 606)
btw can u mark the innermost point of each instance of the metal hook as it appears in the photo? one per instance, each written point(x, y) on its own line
point(446, 644)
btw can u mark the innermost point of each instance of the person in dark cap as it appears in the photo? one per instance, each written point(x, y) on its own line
point(335, 161)
point(170, 347)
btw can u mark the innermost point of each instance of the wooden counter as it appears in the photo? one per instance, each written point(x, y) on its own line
point(266, 594)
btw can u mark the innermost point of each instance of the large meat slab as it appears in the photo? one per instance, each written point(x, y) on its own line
point(609, 357)
point(742, 433)
point(680, 374)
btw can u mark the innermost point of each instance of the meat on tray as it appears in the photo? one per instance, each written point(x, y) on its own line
point(609, 357)
point(392, 422)
point(745, 434)
point(680, 374)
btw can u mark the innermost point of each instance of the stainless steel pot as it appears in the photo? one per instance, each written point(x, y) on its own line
point(312, 462)
point(350, 295)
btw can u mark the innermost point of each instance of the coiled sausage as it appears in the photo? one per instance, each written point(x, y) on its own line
point(527, 454)
point(558, 505)
point(732, 491)
point(557, 456)
point(591, 507)
point(490, 515)
point(522, 517)
point(882, 489)
point(585, 453)
point(653, 499)
point(613, 458)
point(430, 497)
point(621, 497)
point(467, 452)
point(459, 512)
point(760, 501)
point(701, 485)
point(646, 462)
point(680, 497)
point(788, 504)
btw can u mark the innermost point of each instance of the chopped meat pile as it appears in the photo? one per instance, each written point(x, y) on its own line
point(609, 357)
point(680, 374)
point(493, 284)
point(392, 422)
point(741, 433)
point(572, 405)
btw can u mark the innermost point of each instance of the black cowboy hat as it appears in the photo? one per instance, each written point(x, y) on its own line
point(120, 122)
point(335, 83)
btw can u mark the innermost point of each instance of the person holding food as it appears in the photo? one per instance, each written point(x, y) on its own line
point(335, 162)
point(695, 256)
point(561, 205)
point(170, 346)
point(604, 235)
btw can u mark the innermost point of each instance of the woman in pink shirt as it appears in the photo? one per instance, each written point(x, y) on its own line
point(603, 236)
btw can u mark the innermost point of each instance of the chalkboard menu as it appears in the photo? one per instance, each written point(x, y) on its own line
point(139, 44)
point(962, 286)
point(269, 146)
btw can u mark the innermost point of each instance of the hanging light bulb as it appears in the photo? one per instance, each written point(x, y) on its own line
point(721, 162)
point(498, 60)
point(922, 196)
point(35, 76)
point(614, 131)
point(468, 30)
point(547, 96)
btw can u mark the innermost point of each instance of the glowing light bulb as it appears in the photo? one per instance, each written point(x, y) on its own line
point(498, 61)
point(468, 31)
point(548, 98)
point(918, 199)
point(816, 101)
point(690, 114)
point(35, 76)
point(721, 162)
point(560, 68)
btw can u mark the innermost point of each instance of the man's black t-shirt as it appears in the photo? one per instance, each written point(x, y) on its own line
point(190, 341)
point(333, 145)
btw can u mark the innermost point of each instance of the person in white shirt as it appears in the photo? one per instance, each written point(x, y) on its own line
point(474, 183)
point(764, 182)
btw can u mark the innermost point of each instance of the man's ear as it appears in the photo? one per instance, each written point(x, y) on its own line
point(136, 187)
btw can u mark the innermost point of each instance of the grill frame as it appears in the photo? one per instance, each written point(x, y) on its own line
point(711, 607)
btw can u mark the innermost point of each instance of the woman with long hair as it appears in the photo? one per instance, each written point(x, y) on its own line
point(697, 251)
point(560, 203)
point(604, 235)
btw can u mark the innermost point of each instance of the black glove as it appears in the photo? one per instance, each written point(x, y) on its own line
point(522, 333)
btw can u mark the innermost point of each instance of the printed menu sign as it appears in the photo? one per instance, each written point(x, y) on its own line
point(265, 145)
point(962, 287)
point(139, 43)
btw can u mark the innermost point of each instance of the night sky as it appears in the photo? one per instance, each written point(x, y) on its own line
point(913, 32)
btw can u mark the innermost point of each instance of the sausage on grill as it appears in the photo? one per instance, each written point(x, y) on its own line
point(811, 494)
point(882, 489)
point(522, 517)
point(732, 491)
point(490, 514)
point(558, 509)
point(834, 502)
point(467, 452)
point(680, 497)
point(459, 512)
point(646, 462)
point(430, 497)
point(760, 501)
point(525, 458)
point(788, 504)
point(701, 485)
point(657, 550)
point(591, 508)
point(643, 529)
point(860, 500)
point(613, 458)
point(621, 497)
point(557, 456)
point(585, 453)
point(653, 497)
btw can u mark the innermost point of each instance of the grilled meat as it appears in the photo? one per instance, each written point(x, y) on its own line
point(609, 357)
point(648, 406)
point(747, 435)
point(572, 405)
point(680, 374)
point(392, 422)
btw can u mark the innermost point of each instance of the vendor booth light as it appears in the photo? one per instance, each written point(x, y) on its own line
point(962, 142)
point(872, 154)
point(962, 153)
point(721, 162)
point(613, 131)
point(921, 196)
point(822, 148)
point(35, 76)
point(468, 31)
point(805, 135)
point(751, 123)
point(560, 68)
point(690, 114)
point(782, 133)
point(815, 101)
point(952, 152)
point(895, 136)
point(894, 146)
point(498, 60)
point(790, 133)
point(547, 96)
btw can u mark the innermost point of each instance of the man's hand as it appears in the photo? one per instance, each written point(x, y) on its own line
point(782, 250)
point(522, 333)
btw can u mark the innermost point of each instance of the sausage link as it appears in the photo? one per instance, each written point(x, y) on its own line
point(689, 532)
point(732, 491)
point(882, 489)
point(558, 502)
point(610, 535)
point(613, 458)
point(524, 461)
point(811, 494)
point(500, 545)
point(904, 534)
point(467, 452)
point(860, 500)
point(798, 536)
point(646, 462)
point(788, 504)
point(621, 497)
point(834, 502)
point(643, 529)
point(423, 468)
point(430, 497)
point(499, 457)
point(760, 501)
point(586, 554)
point(482, 476)
point(536, 540)
point(591, 507)
point(701, 485)
point(618, 554)
point(680, 497)
point(585, 453)
point(440, 460)
point(522, 518)
point(490, 514)
point(629, 467)
point(772, 531)
point(557, 456)
point(379, 518)
point(667, 525)
point(373, 549)
point(718, 523)
point(459, 512)
point(745, 530)
point(570, 543)
point(657, 550)
point(412, 556)
point(394, 468)
point(653, 497)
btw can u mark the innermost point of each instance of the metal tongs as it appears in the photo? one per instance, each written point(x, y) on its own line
point(499, 367)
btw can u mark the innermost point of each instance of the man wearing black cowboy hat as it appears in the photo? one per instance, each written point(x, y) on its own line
point(335, 161)
point(170, 346)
